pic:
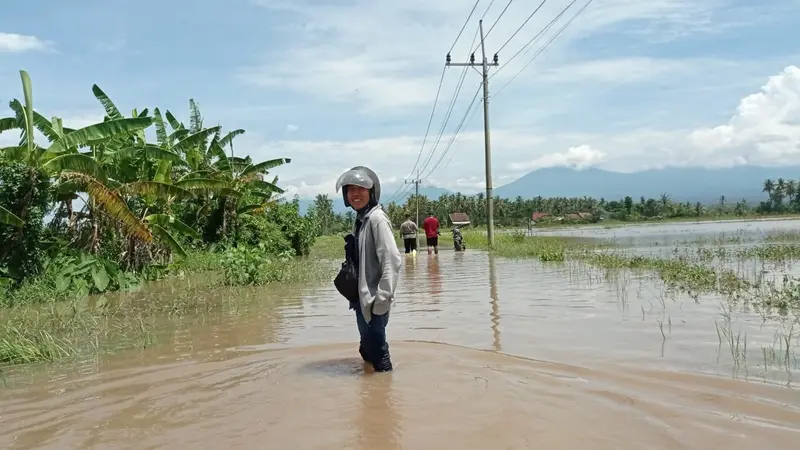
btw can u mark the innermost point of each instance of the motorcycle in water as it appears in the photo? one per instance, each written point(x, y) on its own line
point(458, 240)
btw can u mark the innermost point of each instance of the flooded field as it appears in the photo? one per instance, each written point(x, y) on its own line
point(648, 234)
point(489, 352)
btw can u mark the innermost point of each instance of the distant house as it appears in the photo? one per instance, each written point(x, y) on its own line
point(459, 218)
point(539, 215)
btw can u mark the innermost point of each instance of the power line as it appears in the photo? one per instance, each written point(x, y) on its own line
point(446, 119)
point(521, 26)
point(430, 120)
point(456, 132)
point(495, 23)
point(449, 110)
point(436, 101)
point(469, 120)
point(485, 64)
point(464, 26)
point(544, 47)
point(401, 192)
point(394, 195)
point(397, 193)
point(463, 74)
point(537, 37)
point(427, 130)
point(464, 120)
point(486, 11)
point(416, 182)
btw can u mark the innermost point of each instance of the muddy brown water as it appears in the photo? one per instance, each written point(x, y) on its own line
point(489, 353)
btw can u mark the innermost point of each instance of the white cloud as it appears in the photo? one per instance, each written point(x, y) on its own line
point(765, 130)
point(627, 70)
point(20, 43)
point(291, 128)
point(306, 190)
point(9, 138)
point(580, 157)
point(81, 120)
point(387, 56)
point(325, 186)
point(319, 163)
point(376, 84)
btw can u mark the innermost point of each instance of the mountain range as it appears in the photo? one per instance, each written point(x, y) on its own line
point(682, 184)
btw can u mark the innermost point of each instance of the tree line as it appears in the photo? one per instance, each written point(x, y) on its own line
point(783, 197)
point(106, 201)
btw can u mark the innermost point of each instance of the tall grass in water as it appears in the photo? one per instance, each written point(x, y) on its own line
point(518, 245)
point(328, 247)
point(41, 327)
point(21, 346)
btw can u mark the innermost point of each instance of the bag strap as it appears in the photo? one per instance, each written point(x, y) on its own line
point(350, 246)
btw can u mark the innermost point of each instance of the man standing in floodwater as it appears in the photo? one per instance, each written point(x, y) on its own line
point(431, 227)
point(377, 264)
point(408, 231)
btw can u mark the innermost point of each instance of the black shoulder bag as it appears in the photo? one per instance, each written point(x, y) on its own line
point(346, 280)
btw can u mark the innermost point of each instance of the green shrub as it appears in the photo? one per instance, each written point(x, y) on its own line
point(300, 231)
point(252, 265)
point(24, 191)
point(256, 230)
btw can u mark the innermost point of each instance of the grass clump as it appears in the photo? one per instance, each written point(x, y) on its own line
point(777, 253)
point(771, 252)
point(783, 299)
point(545, 248)
point(24, 346)
point(677, 273)
point(685, 276)
point(328, 247)
point(197, 261)
point(782, 236)
point(118, 321)
point(254, 266)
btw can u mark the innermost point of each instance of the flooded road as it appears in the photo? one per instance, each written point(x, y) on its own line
point(488, 353)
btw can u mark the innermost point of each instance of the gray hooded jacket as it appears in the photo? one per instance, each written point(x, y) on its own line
point(379, 263)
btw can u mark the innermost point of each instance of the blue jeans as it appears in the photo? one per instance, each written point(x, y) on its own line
point(373, 346)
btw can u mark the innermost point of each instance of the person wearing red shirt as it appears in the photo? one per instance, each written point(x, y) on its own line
point(431, 227)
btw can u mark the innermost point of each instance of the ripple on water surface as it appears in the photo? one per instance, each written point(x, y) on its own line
point(285, 371)
point(439, 396)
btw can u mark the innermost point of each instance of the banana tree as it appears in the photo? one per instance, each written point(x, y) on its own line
point(135, 170)
point(9, 218)
point(246, 178)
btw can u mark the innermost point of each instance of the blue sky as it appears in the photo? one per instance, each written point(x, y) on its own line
point(629, 85)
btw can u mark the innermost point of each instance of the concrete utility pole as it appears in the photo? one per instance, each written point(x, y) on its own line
point(416, 183)
point(486, 136)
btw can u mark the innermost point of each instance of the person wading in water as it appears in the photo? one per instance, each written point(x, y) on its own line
point(369, 276)
point(408, 231)
point(431, 227)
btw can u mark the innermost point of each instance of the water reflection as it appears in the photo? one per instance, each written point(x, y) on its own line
point(410, 264)
point(495, 314)
point(379, 421)
point(434, 278)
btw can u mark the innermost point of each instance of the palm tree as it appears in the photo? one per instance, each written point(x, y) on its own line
point(780, 190)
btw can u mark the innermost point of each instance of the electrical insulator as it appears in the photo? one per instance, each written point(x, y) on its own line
point(448, 58)
point(495, 58)
point(472, 58)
